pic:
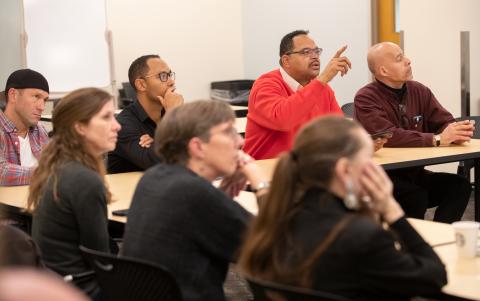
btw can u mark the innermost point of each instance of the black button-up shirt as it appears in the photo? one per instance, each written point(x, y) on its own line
point(128, 154)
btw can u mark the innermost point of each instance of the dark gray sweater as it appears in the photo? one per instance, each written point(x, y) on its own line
point(179, 220)
point(78, 218)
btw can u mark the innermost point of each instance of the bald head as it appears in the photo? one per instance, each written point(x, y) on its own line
point(377, 53)
point(388, 64)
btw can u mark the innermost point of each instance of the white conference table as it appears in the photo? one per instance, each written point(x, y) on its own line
point(241, 124)
point(463, 274)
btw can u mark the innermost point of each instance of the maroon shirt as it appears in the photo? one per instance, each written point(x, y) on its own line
point(379, 108)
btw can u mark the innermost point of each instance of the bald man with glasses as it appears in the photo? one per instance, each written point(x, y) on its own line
point(283, 100)
point(154, 84)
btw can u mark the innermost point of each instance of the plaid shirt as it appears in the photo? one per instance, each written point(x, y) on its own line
point(11, 171)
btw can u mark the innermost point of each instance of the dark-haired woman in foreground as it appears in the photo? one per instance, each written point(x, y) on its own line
point(320, 225)
point(68, 195)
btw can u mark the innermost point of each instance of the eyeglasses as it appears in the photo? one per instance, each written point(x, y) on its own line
point(230, 132)
point(307, 52)
point(163, 76)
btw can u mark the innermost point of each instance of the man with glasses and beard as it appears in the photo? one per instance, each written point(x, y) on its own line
point(394, 102)
point(283, 100)
point(154, 83)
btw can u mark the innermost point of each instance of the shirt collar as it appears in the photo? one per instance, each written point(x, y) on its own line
point(10, 127)
point(6, 123)
point(140, 111)
point(398, 92)
point(291, 82)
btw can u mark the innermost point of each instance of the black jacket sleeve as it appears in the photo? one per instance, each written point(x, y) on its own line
point(415, 269)
point(129, 148)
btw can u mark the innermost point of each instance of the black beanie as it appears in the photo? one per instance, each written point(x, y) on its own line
point(25, 79)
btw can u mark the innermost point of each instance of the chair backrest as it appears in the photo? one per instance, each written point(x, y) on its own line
point(129, 90)
point(17, 249)
point(348, 109)
point(127, 95)
point(268, 291)
point(129, 279)
point(476, 132)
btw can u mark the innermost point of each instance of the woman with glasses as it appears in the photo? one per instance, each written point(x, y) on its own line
point(178, 218)
point(320, 226)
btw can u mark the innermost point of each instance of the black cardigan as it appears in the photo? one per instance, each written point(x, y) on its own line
point(179, 220)
point(79, 217)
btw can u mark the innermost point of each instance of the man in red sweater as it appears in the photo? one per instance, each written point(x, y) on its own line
point(283, 100)
point(394, 102)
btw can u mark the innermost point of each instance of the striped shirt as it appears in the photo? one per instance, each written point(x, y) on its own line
point(11, 171)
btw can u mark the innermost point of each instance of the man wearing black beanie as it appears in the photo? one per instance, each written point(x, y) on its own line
point(22, 137)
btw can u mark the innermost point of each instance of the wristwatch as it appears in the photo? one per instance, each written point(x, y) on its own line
point(262, 185)
point(437, 140)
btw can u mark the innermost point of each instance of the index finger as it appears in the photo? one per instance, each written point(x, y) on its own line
point(340, 51)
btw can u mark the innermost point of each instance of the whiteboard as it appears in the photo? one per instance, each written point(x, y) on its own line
point(10, 36)
point(66, 42)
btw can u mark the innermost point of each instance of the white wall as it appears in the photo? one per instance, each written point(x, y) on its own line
point(212, 40)
point(10, 29)
point(432, 41)
point(332, 24)
point(200, 40)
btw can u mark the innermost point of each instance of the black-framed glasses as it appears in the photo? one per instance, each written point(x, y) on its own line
point(162, 76)
point(307, 52)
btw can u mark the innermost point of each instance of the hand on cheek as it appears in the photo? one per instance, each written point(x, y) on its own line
point(379, 188)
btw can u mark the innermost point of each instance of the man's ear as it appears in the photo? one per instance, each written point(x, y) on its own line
point(383, 71)
point(285, 60)
point(140, 84)
point(196, 148)
point(11, 95)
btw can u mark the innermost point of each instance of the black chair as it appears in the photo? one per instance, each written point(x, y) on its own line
point(17, 248)
point(268, 291)
point(348, 109)
point(129, 279)
point(464, 167)
point(126, 95)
